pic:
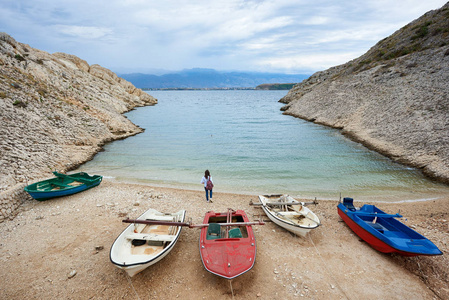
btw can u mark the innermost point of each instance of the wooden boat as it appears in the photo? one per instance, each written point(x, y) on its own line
point(288, 213)
point(62, 185)
point(383, 232)
point(227, 243)
point(142, 245)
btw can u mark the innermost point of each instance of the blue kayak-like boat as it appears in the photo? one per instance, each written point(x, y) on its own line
point(62, 185)
point(383, 232)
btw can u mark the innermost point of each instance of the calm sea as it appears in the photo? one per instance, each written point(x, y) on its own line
point(250, 147)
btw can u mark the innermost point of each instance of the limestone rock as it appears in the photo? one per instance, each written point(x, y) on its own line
point(393, 99)
point(56, 111)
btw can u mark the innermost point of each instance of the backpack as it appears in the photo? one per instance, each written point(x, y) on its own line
point(209, 184)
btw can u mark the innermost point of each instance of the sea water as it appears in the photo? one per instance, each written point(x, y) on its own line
point(250, 147)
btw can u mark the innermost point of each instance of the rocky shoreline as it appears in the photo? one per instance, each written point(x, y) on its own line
point(56, 112)
point(393, 99)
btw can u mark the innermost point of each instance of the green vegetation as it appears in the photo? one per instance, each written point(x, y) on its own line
point(430, 31)
point(19, 57)
point(2, 95)
point(421, 31)
point(19, 103)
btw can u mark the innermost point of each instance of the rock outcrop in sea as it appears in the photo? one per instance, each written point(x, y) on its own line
point(56, 112)
point(394, 99)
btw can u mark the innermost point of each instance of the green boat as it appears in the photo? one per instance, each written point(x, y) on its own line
point(62, 185)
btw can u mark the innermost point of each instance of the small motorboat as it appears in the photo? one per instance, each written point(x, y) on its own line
point(383, 232)
point(62, 185)
point(288, 213)
point(147, 240)
point(227, 243)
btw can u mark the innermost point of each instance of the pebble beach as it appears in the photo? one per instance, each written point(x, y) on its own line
point(60, 249)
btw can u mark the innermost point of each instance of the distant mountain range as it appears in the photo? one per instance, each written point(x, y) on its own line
point(209, 78)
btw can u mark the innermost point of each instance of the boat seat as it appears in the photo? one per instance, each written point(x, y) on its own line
point(235, 233)
point(376, 226)
point(213, 231)
point(348, 203)
point(151, 237)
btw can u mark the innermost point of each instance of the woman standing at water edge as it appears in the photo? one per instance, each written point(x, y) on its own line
point(207, 187)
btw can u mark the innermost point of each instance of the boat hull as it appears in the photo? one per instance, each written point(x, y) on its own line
point(59, 187)
point(292, 228)
point(134, 259)
point(287, 224)
point(391, 237)
point(228, 257)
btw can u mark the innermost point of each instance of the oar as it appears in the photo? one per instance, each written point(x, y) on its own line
point(229, 224)
point(380, 215)
point(83, 180)
point(156, 222)
point(275, 203)
point(283, 203)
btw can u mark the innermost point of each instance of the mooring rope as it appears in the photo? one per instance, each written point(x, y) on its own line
point(329, 271)
point(131, 284)
point(232, 291)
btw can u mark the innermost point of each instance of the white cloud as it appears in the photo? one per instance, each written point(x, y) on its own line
point(290, 35)
point(307, 61)
point(84, 32)
point(316, 20)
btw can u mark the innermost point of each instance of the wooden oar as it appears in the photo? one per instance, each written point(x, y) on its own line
point(283, 203)
point(83, 180)
point(275, 203)
point(229, 224)
point(156, 222)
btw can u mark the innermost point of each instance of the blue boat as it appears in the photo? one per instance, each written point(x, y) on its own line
point(62, 185)
point(383, 232)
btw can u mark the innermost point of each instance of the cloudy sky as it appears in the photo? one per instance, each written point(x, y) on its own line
point(289, 36)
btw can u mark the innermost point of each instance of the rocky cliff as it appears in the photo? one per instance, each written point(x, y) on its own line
point(393, 99)
point(56, 111)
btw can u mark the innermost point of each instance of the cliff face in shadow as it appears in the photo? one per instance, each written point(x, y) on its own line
point(56, 111)
point(394, 99)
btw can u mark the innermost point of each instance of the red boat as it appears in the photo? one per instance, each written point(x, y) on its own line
point(227, 243)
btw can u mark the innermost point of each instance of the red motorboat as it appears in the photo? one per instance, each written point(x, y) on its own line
point(227, 243)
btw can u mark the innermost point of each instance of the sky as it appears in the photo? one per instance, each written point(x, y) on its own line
point(150, 36)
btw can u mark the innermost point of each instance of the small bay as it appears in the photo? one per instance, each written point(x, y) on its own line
point(250, 147)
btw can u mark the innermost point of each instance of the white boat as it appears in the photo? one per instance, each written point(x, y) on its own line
point(142, 245)
point(288, 213)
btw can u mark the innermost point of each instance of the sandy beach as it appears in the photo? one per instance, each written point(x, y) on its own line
point(59, 249)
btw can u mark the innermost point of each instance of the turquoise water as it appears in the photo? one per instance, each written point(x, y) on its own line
point(250, 147)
